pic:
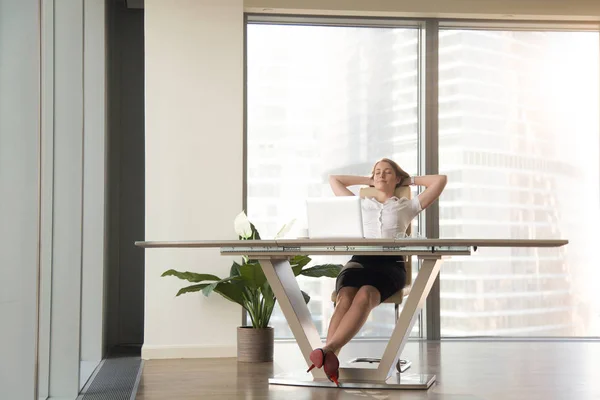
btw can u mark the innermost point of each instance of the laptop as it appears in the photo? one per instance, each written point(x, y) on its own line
point(334, 217)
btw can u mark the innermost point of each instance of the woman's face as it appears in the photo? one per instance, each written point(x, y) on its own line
point(384, 177)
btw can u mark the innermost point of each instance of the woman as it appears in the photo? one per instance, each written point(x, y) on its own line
point(366, 281)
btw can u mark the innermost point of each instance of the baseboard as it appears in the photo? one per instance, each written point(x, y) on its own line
point(150, 352)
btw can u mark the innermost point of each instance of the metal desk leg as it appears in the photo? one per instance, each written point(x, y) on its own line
point(286, 289)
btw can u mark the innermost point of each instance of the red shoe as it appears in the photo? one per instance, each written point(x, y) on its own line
point(317, 357)
point(331, 367)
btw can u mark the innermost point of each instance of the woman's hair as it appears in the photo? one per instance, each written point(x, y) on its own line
point(402, 174)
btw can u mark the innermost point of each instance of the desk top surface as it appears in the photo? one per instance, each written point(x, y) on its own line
point(354, 242)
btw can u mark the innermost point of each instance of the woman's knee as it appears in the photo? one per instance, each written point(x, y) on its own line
point(368, 296)
point(345, 296)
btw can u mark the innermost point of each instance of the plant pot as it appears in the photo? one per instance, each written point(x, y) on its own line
point(254, 345)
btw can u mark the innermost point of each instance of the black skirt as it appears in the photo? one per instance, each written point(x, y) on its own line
point(386, 273)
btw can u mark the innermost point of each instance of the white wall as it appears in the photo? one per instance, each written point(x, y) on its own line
point(194, 116)
point(501, 9)
point(19, 194)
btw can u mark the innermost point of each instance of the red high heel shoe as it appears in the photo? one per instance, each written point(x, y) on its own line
point(331, 367)
point(328, 361)
point(317, 357)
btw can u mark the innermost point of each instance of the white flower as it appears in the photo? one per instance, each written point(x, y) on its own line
point(285, 229)
point(242, 226)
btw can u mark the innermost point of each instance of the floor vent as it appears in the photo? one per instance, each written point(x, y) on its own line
point(116, 379)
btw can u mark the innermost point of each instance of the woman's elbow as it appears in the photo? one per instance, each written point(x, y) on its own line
point(443, 179)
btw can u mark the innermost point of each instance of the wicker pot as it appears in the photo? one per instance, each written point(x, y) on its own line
point(254, 345)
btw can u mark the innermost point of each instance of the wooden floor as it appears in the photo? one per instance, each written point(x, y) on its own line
point(474, 370)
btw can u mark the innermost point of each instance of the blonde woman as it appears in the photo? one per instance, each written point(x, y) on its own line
point(366, 281)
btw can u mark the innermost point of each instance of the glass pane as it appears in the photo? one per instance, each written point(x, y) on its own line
point(325, 100)
point(519, 141)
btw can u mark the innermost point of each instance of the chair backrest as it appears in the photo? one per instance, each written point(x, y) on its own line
point(401, 191)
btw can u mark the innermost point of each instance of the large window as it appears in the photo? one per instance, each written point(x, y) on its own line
point(519, 141)
point(325, 100)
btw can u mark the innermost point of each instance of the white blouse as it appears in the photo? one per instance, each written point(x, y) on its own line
point(390, 218)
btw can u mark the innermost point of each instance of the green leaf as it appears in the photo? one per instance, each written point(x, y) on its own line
point(266, 289)
point(227, 290)
point(251, 299)
point(191, 276)
point(211, 286)
point(231, 292)
point(252, 262)
point(306, 296)
point(327, 270)
point(191, 289)
point(252, 274)
point(255, 235)
point(299, 262)
point(268, 294)
point(235, 269)
point(268, 304)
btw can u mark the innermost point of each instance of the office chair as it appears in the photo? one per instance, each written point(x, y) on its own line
point(397, 298)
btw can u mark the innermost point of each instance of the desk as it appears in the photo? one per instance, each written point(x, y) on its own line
point(274, 256)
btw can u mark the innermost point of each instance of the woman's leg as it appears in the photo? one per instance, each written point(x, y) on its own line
point(343, 302)
point(354, 318)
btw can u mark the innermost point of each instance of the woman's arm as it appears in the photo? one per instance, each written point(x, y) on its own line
point(339, 183)
point(434, 185)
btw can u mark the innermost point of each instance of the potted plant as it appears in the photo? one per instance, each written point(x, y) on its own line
point(247, 286)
